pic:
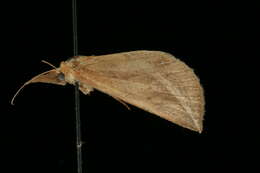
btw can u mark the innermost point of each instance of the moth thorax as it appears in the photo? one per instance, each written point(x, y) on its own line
point(70, 78)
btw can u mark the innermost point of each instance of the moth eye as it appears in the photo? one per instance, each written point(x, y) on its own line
point(61, 77)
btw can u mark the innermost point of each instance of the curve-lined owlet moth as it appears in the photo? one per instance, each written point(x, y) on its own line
point(152, 80)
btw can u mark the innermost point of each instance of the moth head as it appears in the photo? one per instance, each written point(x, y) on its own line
point(54, 76)
point(67, 71)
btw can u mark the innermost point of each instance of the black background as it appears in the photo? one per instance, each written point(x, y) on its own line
point(218, 40)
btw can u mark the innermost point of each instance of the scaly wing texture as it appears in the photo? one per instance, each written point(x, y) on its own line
point(152, 80)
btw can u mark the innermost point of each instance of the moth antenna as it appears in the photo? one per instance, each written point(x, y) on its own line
point(46, 62)
point(26, 83)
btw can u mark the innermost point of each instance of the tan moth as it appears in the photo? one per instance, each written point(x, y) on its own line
point(151, 80)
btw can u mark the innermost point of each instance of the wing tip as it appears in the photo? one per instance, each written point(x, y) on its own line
point(196, 126)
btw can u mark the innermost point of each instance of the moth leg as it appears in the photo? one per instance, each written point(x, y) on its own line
point(122, 102)
point(86, 89)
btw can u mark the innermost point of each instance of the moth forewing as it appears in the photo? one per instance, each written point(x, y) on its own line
point(154, 81)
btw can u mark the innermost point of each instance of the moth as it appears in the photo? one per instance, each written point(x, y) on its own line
point(154, 81)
